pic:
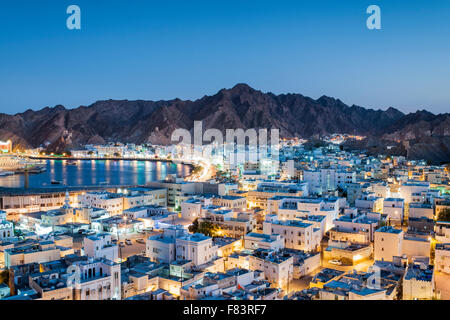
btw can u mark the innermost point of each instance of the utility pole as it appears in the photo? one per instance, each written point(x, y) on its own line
point(118, 240)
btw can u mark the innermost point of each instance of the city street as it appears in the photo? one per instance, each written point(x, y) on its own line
point(130, 250)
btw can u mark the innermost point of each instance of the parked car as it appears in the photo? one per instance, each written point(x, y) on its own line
point(336, 262)
point(81, 231)
point(121, 244)
point(140, 241)
point(114, 241)
point(128, 242)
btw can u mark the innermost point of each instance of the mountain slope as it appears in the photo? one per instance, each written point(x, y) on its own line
point(239, 107)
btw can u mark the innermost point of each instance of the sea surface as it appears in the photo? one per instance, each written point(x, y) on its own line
point(96, 172)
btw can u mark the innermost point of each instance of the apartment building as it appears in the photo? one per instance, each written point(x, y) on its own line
point(388, 243)
point(254, 241)
point(31, 251)
point(191, 209)
point(419, 210)
point(296, 234)
point(278, 268)
point(266, 190)
point(442, 231)
point(51, 285)
point(442, 257)
point(233, 223)
point(115, 203)
point(100, 246)
point(369, 202)
point(356, 228)
point(176, 190)
point(231, 202)
point(197, 248)
point(111, 202)
point(176, 244)
point(36, 200)
point(290, 208)
point(394, 208)
point(328, 179)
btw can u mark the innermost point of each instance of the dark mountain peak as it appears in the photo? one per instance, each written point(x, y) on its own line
point(392, 110)
point(239, 89)
point(420, 115)
point(242, 87)
point(330, 102)
point(425, 113)
point(59, 107)
point(46, 110)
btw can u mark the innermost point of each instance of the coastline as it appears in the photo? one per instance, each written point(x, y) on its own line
point(112, 159)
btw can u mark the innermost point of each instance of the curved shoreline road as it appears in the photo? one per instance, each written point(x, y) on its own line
point(207, 173)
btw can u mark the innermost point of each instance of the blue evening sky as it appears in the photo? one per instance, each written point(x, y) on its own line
point(168, 48)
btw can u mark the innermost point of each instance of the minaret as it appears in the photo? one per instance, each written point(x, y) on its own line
point(67, 201)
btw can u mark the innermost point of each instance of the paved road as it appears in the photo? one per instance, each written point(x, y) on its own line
point(300, 284)
point(133, 249)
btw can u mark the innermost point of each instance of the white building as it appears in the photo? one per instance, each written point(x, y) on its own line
point(191, 209)
point(394, 208)
point(254, 241)
point(415, 247)
point(111, 202)
point(328, 179)
point(99, 280)
point(176, 244)
point(161, 248)
point(355, 226)
point(418, 282)
point(442, 257)
point(408, 189)
point(124, 199)
point(419, 210)
point(100, 246)
point(388, 243)
point(278, 268)
point(197, 248)
point(296, 234)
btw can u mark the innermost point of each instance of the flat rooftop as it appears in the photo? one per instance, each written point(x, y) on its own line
point(389, 229)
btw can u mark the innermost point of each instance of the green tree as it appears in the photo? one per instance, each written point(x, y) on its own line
point(444, 215)
point(194, 226)
point(207, 228)
point(4, 276)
